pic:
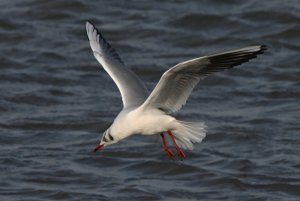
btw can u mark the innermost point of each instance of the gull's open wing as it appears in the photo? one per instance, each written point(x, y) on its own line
point(132, 89)
point(176, 84)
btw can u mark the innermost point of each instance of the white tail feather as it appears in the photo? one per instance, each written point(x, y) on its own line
point(188, 133)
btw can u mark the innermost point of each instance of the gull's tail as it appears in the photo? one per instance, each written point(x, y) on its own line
point(187, 133)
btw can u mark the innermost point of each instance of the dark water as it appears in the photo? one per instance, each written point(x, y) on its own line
point(55, 101)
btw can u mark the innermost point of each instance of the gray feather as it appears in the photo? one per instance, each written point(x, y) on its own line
point(176, 84)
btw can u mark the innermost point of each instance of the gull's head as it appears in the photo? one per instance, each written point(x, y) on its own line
point(107, 139)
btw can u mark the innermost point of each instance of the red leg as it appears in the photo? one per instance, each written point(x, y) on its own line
point(179, 151)
point(167, 149)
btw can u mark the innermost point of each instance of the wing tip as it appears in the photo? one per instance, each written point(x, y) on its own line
point(97, 41)
point(257, 49)
point(89, 24)
point(262, 49)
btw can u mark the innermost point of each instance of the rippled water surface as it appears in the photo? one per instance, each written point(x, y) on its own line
point(56, 101)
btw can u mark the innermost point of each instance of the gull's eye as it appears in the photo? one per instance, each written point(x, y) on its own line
point(104, 139)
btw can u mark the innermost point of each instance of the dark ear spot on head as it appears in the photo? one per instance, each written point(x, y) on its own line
point(110, 137)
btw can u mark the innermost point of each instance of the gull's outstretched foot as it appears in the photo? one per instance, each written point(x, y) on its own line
point(169, 153)
point(167, 149)
point(178, 149)
point(180, 153)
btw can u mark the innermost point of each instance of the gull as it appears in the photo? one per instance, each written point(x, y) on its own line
point(147, 113)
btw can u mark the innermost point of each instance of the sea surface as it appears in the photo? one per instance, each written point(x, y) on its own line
point(56, 100)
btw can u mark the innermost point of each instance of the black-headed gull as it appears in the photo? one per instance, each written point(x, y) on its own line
point(146, 114)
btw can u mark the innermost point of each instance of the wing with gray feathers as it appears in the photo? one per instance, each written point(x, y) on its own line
point(176, 84)
point(132, 89)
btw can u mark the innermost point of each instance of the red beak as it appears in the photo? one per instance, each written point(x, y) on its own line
point(98, 147)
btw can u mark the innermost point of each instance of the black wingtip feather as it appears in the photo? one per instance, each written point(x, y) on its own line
point(233, 58)
point(263, 48)
point(90, 22)
point(113, 51)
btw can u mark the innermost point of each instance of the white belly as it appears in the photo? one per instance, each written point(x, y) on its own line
point(150, 123)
